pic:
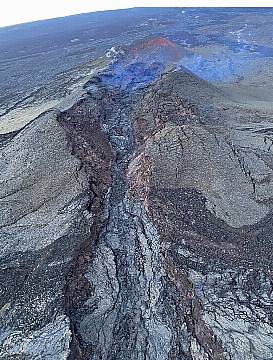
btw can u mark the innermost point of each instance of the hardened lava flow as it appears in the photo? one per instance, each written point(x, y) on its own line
point(136, 223)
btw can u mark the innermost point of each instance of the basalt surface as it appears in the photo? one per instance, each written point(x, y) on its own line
point(136, 214)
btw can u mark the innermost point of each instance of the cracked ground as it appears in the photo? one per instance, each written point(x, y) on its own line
point(136, 188)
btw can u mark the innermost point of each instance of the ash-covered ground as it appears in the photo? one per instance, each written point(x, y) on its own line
point(136, 186)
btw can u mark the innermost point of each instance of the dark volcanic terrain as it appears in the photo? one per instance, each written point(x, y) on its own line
point(136, 186)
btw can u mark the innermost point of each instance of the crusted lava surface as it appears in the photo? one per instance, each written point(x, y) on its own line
point(136, 195)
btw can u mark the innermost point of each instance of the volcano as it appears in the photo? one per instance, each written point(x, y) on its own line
point(157, 49)
point(143, 62)
point(136, 198)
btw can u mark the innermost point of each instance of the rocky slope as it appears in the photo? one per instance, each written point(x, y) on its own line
point(136, 220)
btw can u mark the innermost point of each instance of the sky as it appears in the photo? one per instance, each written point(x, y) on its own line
point(20, 11)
